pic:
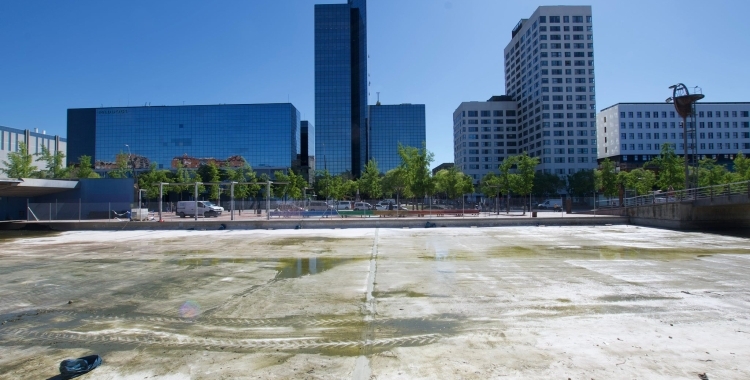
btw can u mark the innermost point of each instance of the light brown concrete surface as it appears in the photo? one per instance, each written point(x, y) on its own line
point(607, 302)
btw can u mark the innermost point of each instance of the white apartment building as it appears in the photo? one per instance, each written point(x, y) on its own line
point(549, 72)
point(632, 133)
point(484, 133)
point(11, 137)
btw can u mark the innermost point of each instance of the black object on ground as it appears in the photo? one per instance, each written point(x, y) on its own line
point(703, 376)
point(70, 368)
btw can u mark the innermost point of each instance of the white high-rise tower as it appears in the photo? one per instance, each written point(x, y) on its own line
point(549, 72)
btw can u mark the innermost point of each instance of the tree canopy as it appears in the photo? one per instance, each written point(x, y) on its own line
point(20, 164)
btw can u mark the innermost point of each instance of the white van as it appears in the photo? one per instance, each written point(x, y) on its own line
point(550, 204)
point(362, 206)
point(344, 205)
point(205, 209)
point(318, 206)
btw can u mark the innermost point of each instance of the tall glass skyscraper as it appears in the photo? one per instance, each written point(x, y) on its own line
point(341, 86)
point(391, 125)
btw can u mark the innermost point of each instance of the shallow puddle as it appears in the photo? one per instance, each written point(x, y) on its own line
point(294, 268)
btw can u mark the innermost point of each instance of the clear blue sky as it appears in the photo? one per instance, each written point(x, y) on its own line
point(56, 55)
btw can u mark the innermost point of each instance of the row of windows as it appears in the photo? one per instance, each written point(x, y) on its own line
point(566, 37)
point(702, 124)
point(565, 19)
point(488, 121)
point(672, 114)
point(567, 63)
point(702, 135)
point(701, 146)
point(576, 28)
point(566, 45)
point(495, 113)
point(569, 89)
point(490, 129)
point(569, 142)
point(560, 115)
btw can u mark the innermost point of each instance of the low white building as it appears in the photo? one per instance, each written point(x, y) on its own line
point(34, 140)
point(484, 134)
point(633, 133)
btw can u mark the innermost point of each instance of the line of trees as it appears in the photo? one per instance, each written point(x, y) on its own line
point(21, 164)
point(667, 171)
point(412, 179)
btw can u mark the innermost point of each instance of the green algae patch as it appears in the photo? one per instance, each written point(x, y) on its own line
point(400, 293)
point(294, 241)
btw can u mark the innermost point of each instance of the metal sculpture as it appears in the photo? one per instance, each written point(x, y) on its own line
point(684, 104)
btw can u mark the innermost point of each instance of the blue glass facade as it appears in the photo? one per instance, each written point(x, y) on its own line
point(341, 86)
point(391, 125)
point(265, 135)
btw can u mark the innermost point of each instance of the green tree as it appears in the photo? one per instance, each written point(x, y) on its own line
point(396, 182)
point(606, 178)
point(84, 169)
point(547, 184)
point(453, 183)
point(210, 173)
point(370, 181)
point(711, 173)
point(349, 187)
point(671, 168)
point(183, 180)
point(416, 164)
point(53, 164)
point(324, 185)
point(581, 183)
point(245, 173)
point(121, 166)
point(523, 181)
point(20, 164)
point(293, 184)
point(741, 168)
point(150, 180)
point(642, 180)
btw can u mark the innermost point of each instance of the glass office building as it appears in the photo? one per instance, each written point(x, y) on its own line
point(265, 135)
point(341, 86)
point(391, 125)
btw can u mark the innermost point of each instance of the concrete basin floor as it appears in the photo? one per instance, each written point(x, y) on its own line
point(605, 302)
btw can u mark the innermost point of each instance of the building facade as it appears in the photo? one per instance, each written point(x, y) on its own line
point(11, 138)
point(633, 133)
point(484, 134)
point(307, 150)
point(549, 72)
point(391, 125)
point(341, 86)
point(267, 136)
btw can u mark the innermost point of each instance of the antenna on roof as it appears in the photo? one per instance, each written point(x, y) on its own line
point(378, 103)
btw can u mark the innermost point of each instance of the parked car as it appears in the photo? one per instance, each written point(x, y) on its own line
point(344, 205)
point(205, 209)
point(362, 206)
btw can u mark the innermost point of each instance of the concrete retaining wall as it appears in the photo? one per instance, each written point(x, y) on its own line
point(704, 214)
point(318, 224)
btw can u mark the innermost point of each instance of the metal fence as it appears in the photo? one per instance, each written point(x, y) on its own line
point(272, 208)
point(708, 192)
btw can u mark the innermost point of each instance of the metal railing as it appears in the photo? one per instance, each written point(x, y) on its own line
point(726, 190)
